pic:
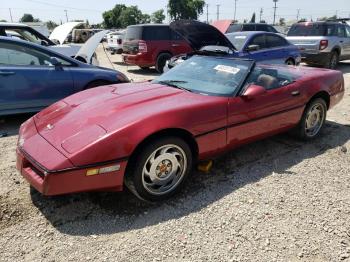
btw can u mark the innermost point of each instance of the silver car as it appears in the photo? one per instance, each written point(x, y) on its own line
point(321, 43)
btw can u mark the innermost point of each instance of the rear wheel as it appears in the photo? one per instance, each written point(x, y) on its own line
point(290, 61)
point(333, 60)
point(313, 119)
point(161, 60)
point(160, 170)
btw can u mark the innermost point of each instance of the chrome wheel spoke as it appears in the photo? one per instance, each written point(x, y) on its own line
point(164, 169)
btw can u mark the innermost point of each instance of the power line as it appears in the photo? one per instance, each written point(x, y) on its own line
point(234, 17)
point(208, 13)
point(274, 12)
point(217, 12)
point(66, 14)
point(11, 15)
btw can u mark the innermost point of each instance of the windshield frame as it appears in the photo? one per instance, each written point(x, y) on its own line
point(235, 91)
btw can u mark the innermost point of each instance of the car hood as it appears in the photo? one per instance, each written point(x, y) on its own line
point(96, 112)
point(61, 32)
point(199, 34)
point(89, 48)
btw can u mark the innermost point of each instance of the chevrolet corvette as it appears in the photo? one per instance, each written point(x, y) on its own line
point(149, 135)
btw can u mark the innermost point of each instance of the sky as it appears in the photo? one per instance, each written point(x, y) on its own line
point(92, 10)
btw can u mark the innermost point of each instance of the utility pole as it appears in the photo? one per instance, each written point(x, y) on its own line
point(217, 12)
point(11, 15)
point(234, 16)
point(207, 13)
point(66, 14)
point(336, 13)
point(274, 12)
point(261, 13)
point(298, 14)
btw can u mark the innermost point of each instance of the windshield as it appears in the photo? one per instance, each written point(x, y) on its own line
point(208, 75)
point(234, 28)
point(308, 29)
point(133, 33)
point(237, 40)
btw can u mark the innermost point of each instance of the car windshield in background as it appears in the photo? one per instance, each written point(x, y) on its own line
point(307, 29)
point(234, 28)
point(133, 33)
point(208, 75)
point(237, 40)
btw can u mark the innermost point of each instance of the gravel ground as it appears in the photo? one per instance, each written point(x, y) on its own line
point(274, 200)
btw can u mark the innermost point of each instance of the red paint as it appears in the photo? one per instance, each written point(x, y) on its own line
point(108, 123)
point(222, 25)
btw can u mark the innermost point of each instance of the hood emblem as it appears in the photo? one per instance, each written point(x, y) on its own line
point(49, 126)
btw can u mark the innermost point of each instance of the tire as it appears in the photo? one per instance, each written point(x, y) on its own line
point(290, 61)
point(158, 179)
point(333, 60)
point(308, 133)
point(161, 60)
point(96, 84)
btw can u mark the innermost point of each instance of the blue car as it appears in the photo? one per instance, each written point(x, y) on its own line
point(260, 46)
point(265, 46)
point(33, 77)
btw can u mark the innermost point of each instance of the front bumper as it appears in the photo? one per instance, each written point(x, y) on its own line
point(51, 173)
point(321, 58)
point(68, 181)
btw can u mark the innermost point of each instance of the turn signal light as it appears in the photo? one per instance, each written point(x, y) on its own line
point(323, 44)
point(142, 47)
point(103, 170)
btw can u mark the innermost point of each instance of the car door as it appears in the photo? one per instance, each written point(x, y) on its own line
point(28, 81)
point(278, 109)
point(277, 49)
point(258, 55)
point(344, 40)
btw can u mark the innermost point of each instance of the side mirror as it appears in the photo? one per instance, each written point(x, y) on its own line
point(44, 43)
point(55, 62)
point(251, 48)
point(253, 91)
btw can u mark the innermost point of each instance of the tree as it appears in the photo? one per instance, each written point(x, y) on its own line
point(111, 18)
point(3, 20)
point(252, 20)
point(27, 18)
point(282, 21)
point(51, 25)
point(131, 15)
point(185, 9)
point(158, 17)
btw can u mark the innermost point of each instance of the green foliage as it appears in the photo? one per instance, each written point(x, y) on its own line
point(27, 18)
point(282, 21)
point(122, 16)
point(252, 20)
point(51, 25)
point(112, 17)
point(158, 16)
point(185, 9)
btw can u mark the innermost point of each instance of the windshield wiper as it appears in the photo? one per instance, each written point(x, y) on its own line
point(174, 83)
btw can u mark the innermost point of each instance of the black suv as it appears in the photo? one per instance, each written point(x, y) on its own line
point(251, 27)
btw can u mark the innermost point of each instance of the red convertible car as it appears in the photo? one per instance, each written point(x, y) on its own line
point(149, 135)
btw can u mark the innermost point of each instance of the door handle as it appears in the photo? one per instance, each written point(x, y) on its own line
point(6, 73)
point(295, 93)
point(175, 45)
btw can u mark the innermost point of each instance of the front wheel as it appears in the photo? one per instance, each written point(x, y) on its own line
point(160, 170)
point(313, 119)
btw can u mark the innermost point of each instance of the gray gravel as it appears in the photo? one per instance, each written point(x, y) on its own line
point(274, 200)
